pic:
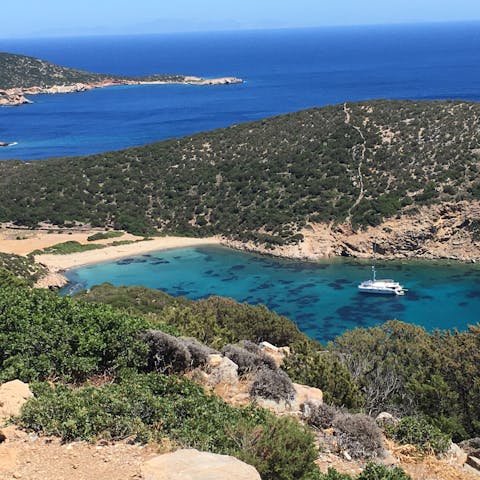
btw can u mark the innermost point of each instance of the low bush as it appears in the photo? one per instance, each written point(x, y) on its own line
point(166, 353)
point(273, 385)
point(372, 471)
point(199, 353)
point(68, 247)
point(150, 407)
point(359, 435)
point(247, 361)
point(419, 432)
point(104, 235)
point(319, 416)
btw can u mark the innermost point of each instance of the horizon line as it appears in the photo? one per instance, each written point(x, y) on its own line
point(243, 30)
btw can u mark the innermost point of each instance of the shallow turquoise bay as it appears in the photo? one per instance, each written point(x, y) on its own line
point(321, 298)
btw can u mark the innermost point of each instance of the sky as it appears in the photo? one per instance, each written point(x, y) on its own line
point(34, 18)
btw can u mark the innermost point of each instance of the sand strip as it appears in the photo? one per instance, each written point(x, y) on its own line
point(59, 263)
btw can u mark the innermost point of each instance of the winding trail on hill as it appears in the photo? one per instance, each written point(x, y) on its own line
point(363, 148)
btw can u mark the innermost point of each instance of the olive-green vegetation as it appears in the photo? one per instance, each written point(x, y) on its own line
point(264, 180)
point(214, 321)
point(152, 407)
point(23, 268)
point(401, 368)
point(104, 236)
point(372, 471)
point(68, 247)
point(46, 337)
point(420, 432)
point(309, 365)
point(20, 71)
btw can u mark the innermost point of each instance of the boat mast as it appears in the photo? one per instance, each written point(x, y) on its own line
point(374, 273)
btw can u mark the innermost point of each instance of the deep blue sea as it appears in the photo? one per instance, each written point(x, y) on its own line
point(321, 298)
point(284, 70)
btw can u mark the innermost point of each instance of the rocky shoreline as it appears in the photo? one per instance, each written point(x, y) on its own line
point(436, 232)
point(17, 96)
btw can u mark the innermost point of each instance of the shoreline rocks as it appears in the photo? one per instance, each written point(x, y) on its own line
point(436, 232)
point(16, 96)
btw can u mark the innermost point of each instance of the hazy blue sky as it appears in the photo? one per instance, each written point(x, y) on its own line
point(61, 17)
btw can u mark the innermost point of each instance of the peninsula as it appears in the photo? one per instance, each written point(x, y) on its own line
point(22, 76)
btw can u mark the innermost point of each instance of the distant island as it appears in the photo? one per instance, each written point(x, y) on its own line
point(21, 76)
point(318, 183)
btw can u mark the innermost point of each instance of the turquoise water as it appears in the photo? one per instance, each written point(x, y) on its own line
point(321, 298)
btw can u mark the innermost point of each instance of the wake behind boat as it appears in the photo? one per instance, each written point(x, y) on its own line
point(383, 287)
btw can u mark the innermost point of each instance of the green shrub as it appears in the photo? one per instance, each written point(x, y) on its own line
point(372, 471)
point(151, 407)
point(22, 268)
point(45, 336)
point(419, 432)
point(309, 365)
point(104, 235)
point(67, 247)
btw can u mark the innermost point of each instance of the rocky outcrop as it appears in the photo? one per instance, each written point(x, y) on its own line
point(212, 81)
point(277, 353)
point(8, 99)
point(13, 395)
point(195, 465)
point(444, 231)
point(220, 370)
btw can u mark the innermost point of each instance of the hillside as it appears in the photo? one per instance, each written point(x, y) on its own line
point(353, 165)
point(21, 71)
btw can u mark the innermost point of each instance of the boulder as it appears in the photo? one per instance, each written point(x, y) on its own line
point(277, 353)
point(471, 445)
point(474, 461)
point(308, 394)
point(195, 465)
point(303, 395)
point(220, 369)
point(12, 397)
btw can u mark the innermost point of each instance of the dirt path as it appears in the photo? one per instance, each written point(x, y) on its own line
point(363, 151)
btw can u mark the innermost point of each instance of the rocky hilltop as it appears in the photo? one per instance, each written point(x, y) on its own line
point(322, 182)
point(21, 76)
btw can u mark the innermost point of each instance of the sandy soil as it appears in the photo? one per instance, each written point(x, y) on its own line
point(23, 241)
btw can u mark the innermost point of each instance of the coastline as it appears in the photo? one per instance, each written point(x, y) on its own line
point(57, 264)
point(14, 97)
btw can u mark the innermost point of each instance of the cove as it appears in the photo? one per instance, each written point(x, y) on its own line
point(321, 298)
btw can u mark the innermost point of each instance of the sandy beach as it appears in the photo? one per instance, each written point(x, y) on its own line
point(58, 263)
point(22, 242)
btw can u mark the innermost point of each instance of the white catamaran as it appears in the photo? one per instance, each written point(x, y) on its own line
point(384, 286)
